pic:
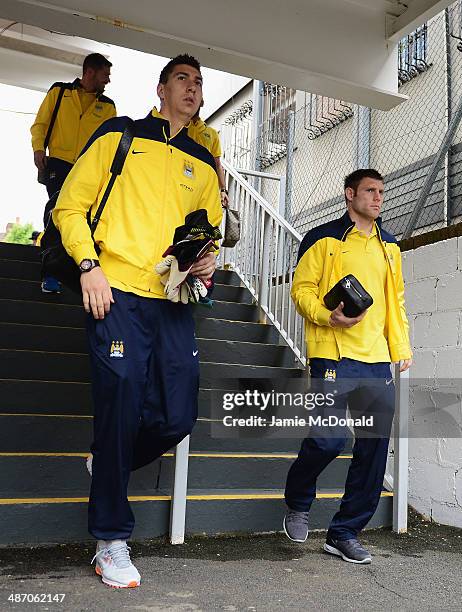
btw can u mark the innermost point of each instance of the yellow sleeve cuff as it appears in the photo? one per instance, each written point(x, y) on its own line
point(323, 316)
point(84, 251)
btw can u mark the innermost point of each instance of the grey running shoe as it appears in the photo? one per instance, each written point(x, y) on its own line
point(296, 525)
point(349, 550)
point(114, 565)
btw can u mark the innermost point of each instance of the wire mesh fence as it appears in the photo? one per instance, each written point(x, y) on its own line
point(316, 141)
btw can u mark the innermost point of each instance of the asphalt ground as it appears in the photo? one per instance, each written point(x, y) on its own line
point(420, 570)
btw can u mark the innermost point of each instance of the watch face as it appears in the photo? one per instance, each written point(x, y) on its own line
point(86, 264)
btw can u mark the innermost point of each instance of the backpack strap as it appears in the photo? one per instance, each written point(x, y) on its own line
point(53, 116)
point(116, 168)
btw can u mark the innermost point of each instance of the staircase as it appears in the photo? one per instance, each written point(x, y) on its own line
point(235, 485)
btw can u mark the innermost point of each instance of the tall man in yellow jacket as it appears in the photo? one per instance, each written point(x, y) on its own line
point(349, 358)
point(144, 358)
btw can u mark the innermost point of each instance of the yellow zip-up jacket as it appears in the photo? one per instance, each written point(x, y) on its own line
point(320, 268)
point(163, 179)
point(73, 128)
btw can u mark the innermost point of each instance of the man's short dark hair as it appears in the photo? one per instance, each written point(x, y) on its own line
point(95, 61)
point(167, 70)
point(353, 179)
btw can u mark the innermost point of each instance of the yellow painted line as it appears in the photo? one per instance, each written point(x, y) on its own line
point(44, 454)
point(72, 500)
point(196, 455)
point(140, 498)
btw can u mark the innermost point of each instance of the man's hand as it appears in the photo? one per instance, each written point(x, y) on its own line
point(96, 293)
point(224, 199)
point(204, 267)
point(40, 159)
point(338, 319)
point(405, 365)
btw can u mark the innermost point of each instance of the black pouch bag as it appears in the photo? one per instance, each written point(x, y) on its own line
point(353, 295)
point(55, 260)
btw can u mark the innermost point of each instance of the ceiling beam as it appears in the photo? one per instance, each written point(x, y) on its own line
point(417, 13)
point(43, 51)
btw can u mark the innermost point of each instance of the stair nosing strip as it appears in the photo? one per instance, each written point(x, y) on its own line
point(40, 325)
point(243, 365)
point(190, 497)
point(37, 282)
point(41, 380)
point(266, 344)
point(194, 454)
point(29, 261)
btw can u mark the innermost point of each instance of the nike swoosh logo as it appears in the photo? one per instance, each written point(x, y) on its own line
point(388, 382)
point(136, 152)
point(195, 353)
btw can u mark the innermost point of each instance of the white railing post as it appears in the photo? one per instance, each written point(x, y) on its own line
point(265, 251)
point(179, 491)
point(401, 451)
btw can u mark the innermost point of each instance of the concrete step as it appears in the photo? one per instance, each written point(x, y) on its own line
point(22, 289)
point(73, 340)
point(50, 475)
point(19, 252)
point(70, 315)
point(64, 519)
point(74, 367)
point(25, 270)
point(43, 397)
point(18, 263)
point(68, 433)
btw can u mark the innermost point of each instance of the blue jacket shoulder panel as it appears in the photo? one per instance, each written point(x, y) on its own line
point(59, 84)
point(106, 100)
point(387, 237)
point(331, 229)
point(116, 124)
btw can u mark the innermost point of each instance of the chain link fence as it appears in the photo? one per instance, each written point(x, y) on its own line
point(316, 141)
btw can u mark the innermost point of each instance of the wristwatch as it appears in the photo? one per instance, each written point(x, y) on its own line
point(88, 264)
point(224, 190)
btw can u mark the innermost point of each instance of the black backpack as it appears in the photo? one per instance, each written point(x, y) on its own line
point(55, 260)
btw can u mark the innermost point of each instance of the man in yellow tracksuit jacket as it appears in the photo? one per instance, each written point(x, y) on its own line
point(209, 138)
point(349, 357)
point(83, 108)
point(144, 358)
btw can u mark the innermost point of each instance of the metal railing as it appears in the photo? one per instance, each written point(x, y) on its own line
point(266, 256)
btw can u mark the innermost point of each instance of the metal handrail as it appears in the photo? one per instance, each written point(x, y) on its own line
point(266, 256)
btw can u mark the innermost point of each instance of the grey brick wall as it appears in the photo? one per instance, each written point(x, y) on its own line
point(433, 279)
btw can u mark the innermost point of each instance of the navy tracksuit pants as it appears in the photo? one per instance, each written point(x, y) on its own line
point(367, 389)
point(58, 170)
point(145, 374)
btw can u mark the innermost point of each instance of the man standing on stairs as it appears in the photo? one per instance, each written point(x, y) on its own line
point(67, 117)
point(144, 359)
point(349, 357)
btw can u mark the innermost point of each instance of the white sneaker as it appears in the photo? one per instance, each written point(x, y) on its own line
point(114, 565)
point(89, 464)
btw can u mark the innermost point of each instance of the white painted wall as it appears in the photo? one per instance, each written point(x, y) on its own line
point(433, 277)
